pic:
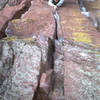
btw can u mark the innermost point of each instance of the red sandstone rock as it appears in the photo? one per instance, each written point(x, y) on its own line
point(81, 65)
point(19, 78)
point(75, 26)
point(8, 12)
point(37, 20)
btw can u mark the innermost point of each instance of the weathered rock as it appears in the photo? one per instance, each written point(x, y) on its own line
point(58, 75)
point(3, 3)
point(82, 72)
point(20, 64)
point(77, 27)
point(14, 2)
point(37, 20)
point(7, 14)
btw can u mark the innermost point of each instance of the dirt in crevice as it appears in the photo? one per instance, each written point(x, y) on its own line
point(40, 94)
point(17, 15)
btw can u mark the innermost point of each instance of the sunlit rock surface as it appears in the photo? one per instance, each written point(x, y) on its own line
point(8, 13)
point(20, 63)
point(37, 20)
point(82, 71)
point(41, 70)
point(77, 27)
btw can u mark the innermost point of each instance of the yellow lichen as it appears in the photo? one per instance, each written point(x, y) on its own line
point(78, 20)
point(29, 39)
point(22, 20)
point(81, 37)
point(15, 20)
point(10, 38)
point(76, 28)
point(63, 22)
point(26, 20)
point(76, 13)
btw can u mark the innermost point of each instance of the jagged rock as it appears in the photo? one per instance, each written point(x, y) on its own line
point(33, 22)
point(20, 67)
point(7, 14)
point(3, 3)
point(58, 75)
point(14, 2)
point(82, 71)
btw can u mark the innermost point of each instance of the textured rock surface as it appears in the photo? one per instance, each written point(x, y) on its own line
point(14, 2)
point(77, 27)
point(58, 84)
point(82, 71)
point(3, 3)
point(33, 22)
point(39, 70)
point(20, 63)
point(7, 14)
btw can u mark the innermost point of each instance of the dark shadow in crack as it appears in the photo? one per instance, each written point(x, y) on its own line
point(17, 15)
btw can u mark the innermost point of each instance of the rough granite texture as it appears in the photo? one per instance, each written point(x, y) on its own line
point(3, 3)
point(20, 62)
point(82, 71)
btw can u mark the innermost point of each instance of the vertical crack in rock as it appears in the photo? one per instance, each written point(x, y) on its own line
point(87, 14)
point(55, 30)
point(46, 90)
point(43, 92)
point(17, 15)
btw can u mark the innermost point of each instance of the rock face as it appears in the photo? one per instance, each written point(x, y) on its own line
point(3, 3)
point(36, 66)
point(81, 65)
point(29, 71)
point(18, 76)
point(9, 12)
point(14, 2)
point(30, 24)
point(93, 7)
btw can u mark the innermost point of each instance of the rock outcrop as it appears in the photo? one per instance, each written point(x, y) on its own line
point(81, 65)
point(38, 19)
point(9, 12)
point(19, 69)
point(3, 3)
point(34, 65)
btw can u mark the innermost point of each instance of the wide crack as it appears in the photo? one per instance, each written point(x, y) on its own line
point(47, 93)
point(43, 93)
point(17, 15)
point(40, 94)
